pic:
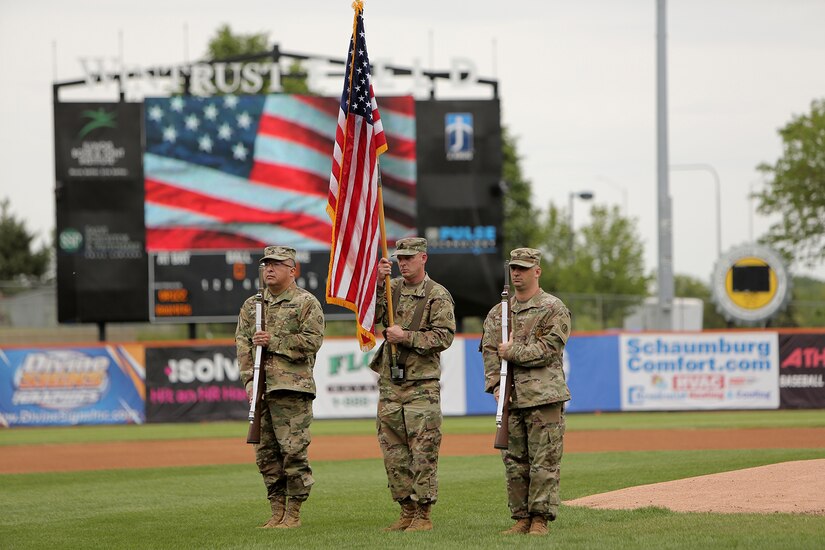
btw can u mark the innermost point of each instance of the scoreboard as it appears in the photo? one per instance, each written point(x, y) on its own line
point(210, 286)
point(121, 259)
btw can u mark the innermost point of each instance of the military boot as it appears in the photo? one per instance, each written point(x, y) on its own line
point(421, 521)
point(408, 510)
point(538, 526)
point(521, 527)
point(278, 505)
point(292, 516)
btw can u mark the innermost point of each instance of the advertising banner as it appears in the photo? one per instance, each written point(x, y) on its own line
point(193, 384)
point(70, 386)
point(802, 371)
point(99, 197)
point(347, 388)
point(734, 370)
point(97, 141)
point(460, 198)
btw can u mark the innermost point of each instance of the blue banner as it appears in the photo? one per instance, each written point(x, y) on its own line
point(590, 365)
point(70, 386)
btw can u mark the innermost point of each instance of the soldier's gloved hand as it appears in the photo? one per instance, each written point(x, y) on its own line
point(495, 393)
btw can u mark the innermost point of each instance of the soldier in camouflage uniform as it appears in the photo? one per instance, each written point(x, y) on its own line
point(540, 328)
point(293, 335)
point(409, 411)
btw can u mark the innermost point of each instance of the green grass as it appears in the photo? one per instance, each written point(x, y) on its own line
point(219, 507)
point(458, 425)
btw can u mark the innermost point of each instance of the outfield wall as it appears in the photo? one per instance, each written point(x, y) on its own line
point(196, 381)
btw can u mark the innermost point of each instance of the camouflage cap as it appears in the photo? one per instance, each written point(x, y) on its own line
point(410, 246)
point(525, 257)
point(279, 253)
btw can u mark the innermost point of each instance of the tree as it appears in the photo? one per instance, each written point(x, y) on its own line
point(605, 263)
point(685, 286)
point(225, 44)
point(521, 217)
point(16, 255)
point(796, 190)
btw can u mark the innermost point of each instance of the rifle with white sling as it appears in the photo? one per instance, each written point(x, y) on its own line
point(506, 374)
point(258, 378)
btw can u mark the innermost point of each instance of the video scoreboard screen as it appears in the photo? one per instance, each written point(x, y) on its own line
point(156, 222)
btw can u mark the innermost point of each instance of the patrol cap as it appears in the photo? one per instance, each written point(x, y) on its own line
point(525, 257)
point(279, 253)
point(410, 246)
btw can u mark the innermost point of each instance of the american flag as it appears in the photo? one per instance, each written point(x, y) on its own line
point(239, 172)
point(354, 199)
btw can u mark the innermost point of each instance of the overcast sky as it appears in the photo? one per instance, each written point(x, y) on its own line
point(577, 86)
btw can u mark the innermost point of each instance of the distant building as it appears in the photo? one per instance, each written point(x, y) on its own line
point(686, 315)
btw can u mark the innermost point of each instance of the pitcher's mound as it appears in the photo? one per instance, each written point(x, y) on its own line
point(789, 487)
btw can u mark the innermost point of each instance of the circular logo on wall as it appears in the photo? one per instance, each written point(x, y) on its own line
point(750, 284)
point(70, 240)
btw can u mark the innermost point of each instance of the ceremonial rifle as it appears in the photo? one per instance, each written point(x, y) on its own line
point(258, 378)
point(506, 374)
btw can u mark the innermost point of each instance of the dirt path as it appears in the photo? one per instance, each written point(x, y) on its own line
point(150, 454)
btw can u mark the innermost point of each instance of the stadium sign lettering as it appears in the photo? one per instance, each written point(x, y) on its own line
point(206, 79)
point(805, 358)
point(203, 370)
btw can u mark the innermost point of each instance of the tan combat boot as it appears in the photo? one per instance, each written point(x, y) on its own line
point(408, 510)
point(292, 516)
point(538, 526)
point(421, 521)
point(278, 505)
point(521, 527)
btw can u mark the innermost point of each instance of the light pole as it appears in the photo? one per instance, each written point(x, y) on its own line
point(712, 170)
point(585, 196)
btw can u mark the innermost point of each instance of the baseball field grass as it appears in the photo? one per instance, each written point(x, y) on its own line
point(220, 506)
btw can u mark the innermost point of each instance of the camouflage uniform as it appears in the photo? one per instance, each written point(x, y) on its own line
point(540, 328)
point(409, 412)
point(295, 321)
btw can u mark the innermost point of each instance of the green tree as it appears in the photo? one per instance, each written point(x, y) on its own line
point(599, 272)
point(807, 306)
point(225, 44)
point(685, 286)
point(521, 217)
point(796, 188)
point(16, 255)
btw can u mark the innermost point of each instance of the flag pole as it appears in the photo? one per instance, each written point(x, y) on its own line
point(385, 254)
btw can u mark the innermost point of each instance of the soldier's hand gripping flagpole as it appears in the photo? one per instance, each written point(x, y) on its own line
point(506, 374)
point(396, 371)
point(253, 436)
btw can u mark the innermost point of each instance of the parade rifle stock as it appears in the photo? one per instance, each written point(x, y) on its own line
point(506, 375)
point(258, 378)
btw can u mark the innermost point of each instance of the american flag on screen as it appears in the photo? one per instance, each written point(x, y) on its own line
point(354, 199)
point(229, 172)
